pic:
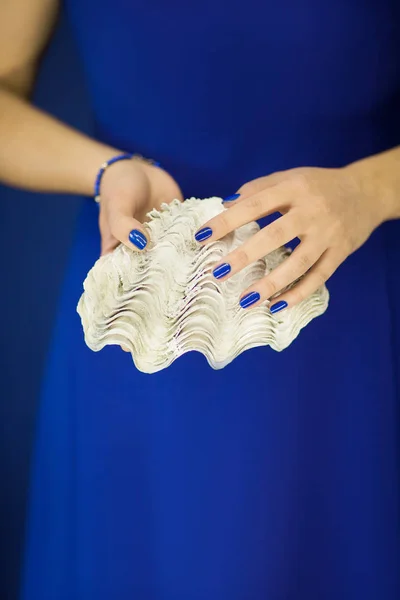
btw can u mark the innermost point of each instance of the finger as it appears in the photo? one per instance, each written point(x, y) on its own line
point(254, 187)
point(314, 278)
point(291, 269)
point(124, 227)
point(275, 235)
point(298, 263)
point(108, 241)
point(108, 244)
point(130, 232)
point(259, 205)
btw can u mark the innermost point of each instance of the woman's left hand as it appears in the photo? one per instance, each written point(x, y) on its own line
point(331, 211)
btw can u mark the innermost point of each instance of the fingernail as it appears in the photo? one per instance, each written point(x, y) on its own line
point(138, 239)
point(203, 234)
point(231, 198)
point(249, 299)
point(222, 270)
point(278, 306)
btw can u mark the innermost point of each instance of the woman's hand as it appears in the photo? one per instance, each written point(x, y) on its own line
point(129, 190)
point(332, 212)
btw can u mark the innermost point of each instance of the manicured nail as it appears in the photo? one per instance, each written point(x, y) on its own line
point(278, 306)
point(203, 234)
point(249, 299)
point(231, 198)
point(222, 270)
point(138, 239)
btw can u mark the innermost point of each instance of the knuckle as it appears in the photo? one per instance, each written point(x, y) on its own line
point(241, 258)
point(270, 287)
point(277, 234)
point(304, 262)
point(321, 204)
point(255, 203)
point(223, 223)
point(301, 220)
point(247, 188)
point(300, 181)
point(337, 231)
point(298, 295)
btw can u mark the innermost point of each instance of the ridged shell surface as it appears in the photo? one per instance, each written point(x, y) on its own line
point(164, 301)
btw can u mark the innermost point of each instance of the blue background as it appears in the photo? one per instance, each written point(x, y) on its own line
point(35, 234)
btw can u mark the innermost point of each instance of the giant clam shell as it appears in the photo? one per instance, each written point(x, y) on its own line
point(164, 301)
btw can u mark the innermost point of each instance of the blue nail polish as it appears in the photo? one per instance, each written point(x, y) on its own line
point(203, 234)
point(138, 239)
point(249, 299)
point(222, 270)
point(278, 306)
point(231, 198)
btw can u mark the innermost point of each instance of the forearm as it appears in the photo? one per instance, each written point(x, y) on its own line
point(379, 176)
point(40, 153)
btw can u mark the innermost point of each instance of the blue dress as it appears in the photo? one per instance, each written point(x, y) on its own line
point(277, 477)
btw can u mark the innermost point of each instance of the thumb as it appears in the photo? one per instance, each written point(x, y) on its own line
point(129, 231)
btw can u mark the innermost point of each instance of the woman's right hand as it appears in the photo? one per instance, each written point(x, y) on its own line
point(129, 190)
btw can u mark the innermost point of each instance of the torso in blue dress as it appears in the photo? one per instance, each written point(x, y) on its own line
point(276, 477)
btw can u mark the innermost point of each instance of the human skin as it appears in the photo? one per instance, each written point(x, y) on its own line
point(332, 211)
point(40, 153)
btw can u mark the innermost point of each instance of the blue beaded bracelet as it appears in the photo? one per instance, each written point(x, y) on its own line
point(113, 160)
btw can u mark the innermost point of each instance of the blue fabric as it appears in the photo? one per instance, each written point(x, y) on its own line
point(277, 477)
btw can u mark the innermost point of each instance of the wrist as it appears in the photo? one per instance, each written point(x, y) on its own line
point(119, 166)
point(100, 156)
point(377, 178)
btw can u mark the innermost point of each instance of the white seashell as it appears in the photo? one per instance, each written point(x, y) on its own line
point(164, 301)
